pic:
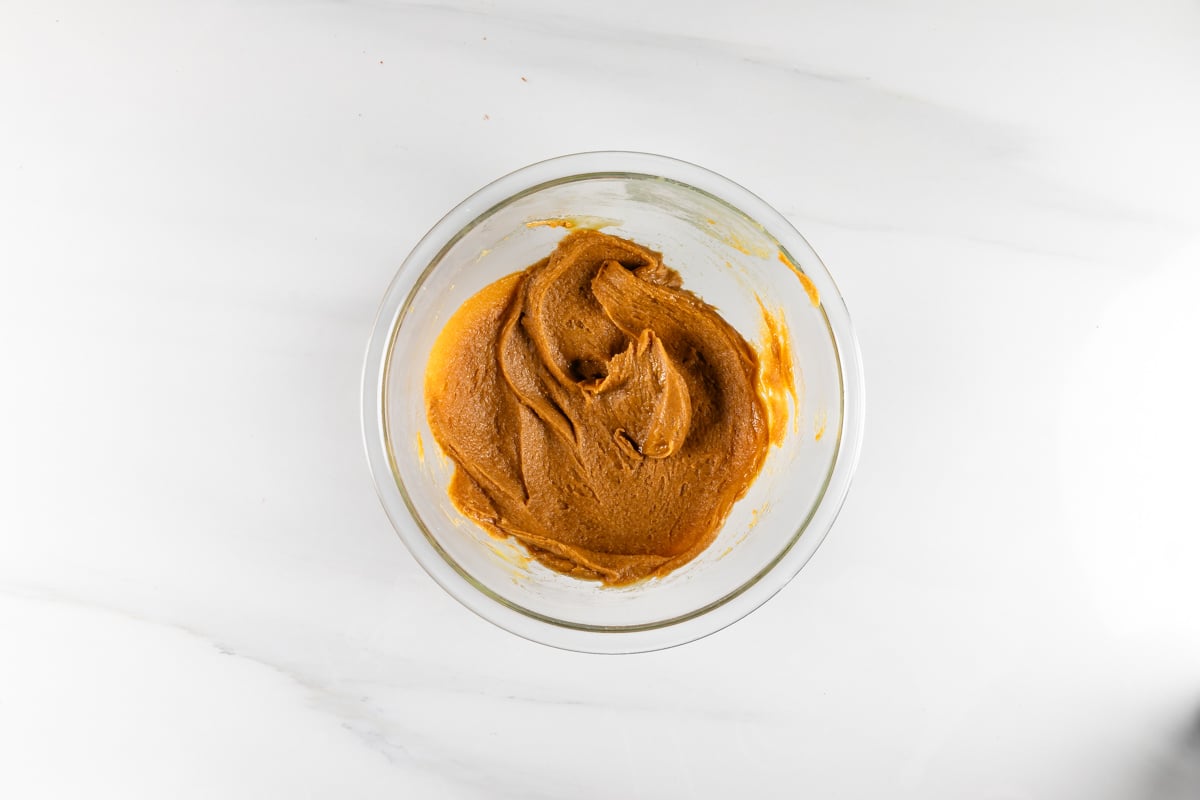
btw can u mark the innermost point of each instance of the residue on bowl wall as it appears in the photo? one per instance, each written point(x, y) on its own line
point(581, 222)
point(776, 373)
point(819, 423)
point(805, 281)
point(509, 554)
point(741, 537)
point(738, 234)
point(550, 223)
point(508, 550)
point(742, 245)
point(420, 449)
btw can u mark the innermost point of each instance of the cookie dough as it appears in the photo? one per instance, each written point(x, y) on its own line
point(597, 411)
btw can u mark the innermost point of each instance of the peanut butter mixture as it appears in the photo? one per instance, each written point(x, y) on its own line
point(597, 411)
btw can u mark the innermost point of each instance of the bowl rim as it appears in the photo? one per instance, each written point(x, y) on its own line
point(453, 578)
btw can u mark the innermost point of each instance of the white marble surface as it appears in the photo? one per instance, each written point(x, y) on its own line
point(201, 203)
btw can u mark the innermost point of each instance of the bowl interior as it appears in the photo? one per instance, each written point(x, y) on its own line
point(727, 258)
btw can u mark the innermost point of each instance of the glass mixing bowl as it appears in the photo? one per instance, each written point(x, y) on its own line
point(731, 249)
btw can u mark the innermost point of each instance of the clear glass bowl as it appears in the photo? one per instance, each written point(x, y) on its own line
point(731, 248)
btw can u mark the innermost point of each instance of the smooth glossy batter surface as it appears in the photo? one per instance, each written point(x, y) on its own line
point(597, 411)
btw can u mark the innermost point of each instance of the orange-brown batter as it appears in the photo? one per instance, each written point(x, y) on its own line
point(597, 412)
